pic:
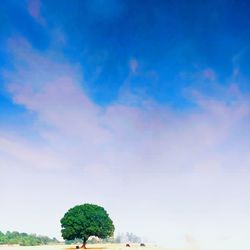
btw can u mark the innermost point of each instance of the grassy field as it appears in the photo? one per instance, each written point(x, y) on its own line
point(90, 247)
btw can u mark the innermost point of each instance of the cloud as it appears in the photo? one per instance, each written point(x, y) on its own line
point(34, 9)
point(148, 137)
point(209, 74)
point(16, 151)
point(194, 163)
point(133, 64)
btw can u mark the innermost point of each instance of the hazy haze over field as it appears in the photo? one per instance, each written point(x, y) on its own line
point(139, 106)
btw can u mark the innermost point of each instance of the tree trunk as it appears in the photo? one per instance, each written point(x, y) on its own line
point(84, 243)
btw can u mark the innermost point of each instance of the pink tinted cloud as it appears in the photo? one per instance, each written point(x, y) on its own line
point(133, 64)
point(120, 134)
point(51, 90)
point(24, 153)
point(209, 74)
point(195, 164)
point(59, 103)
point(34, 9)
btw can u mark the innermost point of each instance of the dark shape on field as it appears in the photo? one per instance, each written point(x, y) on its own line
point(83, 221)
point(77, 247)
point(142, 245)
point(127, 245)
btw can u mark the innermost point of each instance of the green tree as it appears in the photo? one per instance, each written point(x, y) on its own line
point(83, 221)
point(2, 238)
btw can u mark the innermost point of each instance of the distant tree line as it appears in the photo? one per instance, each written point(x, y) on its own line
point(120, 238)
point(24, 239)
point(128, 237)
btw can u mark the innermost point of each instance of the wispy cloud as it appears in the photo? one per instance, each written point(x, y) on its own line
point(181, 158)
point(149, 136)
point(34, 9)
point(133, 64)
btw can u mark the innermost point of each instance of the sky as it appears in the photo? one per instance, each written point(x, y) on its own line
point(140, 106)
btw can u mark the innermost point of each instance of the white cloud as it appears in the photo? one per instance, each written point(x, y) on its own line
point(157, 170)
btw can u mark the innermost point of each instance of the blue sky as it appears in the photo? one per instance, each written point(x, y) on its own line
point(168, 39)
point(127, 102)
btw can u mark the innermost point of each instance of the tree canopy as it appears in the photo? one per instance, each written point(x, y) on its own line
point(83, 221)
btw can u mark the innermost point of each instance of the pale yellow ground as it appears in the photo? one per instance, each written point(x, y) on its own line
point(91, 247)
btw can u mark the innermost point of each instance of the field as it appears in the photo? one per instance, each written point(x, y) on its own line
point(90, 247)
